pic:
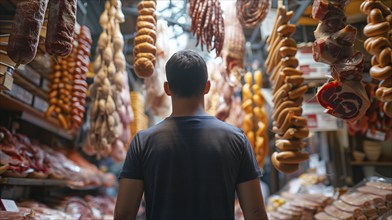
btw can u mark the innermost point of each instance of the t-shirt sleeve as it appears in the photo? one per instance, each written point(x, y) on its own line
point(249, 168)
point(132, 168)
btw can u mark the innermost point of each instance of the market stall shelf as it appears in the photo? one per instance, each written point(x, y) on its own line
point(29, 114)
point(44, 182)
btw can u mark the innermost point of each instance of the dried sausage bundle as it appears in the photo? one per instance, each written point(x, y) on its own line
point(379, 44)
point(79, 84)
point(345, 97)
point(68, 85)
point(252, 12)
point(256, 118)
point(60, 28)
point(110, 112)
point(207, 24)
point(233, 51)
point(144, 47)
point(23, 40)
point(287, 85)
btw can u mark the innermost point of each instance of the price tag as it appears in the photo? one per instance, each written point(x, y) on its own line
point(9, 205)
point(378, 135)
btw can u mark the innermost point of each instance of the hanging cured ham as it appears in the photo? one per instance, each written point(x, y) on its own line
point(344, 97)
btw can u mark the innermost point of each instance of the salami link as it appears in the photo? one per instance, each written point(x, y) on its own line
point(61, 25)
point(23, 40)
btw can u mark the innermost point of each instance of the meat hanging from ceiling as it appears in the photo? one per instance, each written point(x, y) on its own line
point(252, 12)
point(379, 44)
point(207, 24)
point(344, 97)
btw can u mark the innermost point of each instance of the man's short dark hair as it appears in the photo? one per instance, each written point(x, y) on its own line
point(187, 74)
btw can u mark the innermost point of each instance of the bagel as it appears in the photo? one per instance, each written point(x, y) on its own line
point(385, 57)
point(284, 168)
point(373, 30)
point(147, 18)
point(144, 39)
point(144, 68)
point(290, 157)
point(145, 48)
point(146, 4)
point(380, 73)
point(147, 31)
point(145, 24)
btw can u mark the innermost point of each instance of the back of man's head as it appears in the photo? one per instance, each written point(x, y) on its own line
point(186, 74)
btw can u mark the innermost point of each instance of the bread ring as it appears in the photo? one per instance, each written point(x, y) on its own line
point(367, 6)
point(145, 24)
point(298, 121)
point(144, 39)
point(289, 62)
point(294, 80)
point(289, 145)
point(145, 48)
point(298, 92)
point(147, 31)
point(286, 30)
point(290, 157)
point(384, 94)
point(373, 30)
point(289, 133)
point(146, 4)
point(375, 46)
point(284, 168)
point(284, 126)
point(289, 42)
point(287, 51)
point(301, 133)
point(385, 57)
point(144, 68)
point(380, 73)
point(288, 71)
point(149, 56)
point(282, 115)
point(286, 104)
point(375, 16)
point(147, 18)
point(285, 88)
point(147, 11)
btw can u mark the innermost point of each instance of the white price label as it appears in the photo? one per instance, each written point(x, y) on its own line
point(377, 135)
point(9, 205)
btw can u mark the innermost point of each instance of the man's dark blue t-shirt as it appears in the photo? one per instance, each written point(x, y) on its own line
point(190, 167)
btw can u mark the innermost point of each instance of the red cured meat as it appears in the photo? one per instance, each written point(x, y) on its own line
point(348, 101)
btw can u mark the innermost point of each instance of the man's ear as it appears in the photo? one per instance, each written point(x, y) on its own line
point(167, 89)
point(208, 86)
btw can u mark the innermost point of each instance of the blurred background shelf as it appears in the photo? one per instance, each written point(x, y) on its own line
point(32, 115)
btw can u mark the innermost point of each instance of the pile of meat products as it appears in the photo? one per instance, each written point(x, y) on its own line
point(370, 201)
point(22, 214)
point(144, 45)
point(156, 99)
point(68, 85)
point(256, 119)
point(21, 158)
point(252, 12)
point(299, 206)
point(68, 208)
point(110, 113)
point(207, 24)
point(379, 44)
point(344, 97)
point(375, 118)
point(287, 90)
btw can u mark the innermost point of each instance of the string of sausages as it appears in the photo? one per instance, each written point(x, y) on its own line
point(207, 24)
point(106, 126)
point(252, 12)
point(256, 119)
point(144, 46)
point(79, 85)
point(287, 90)
point(379, 44)
point(68, 86)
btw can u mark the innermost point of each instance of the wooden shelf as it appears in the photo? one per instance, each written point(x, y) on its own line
point(43, 182)
point(30, 114)
point(371, 163)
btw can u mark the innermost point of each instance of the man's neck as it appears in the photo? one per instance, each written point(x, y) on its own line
point(188, 106)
